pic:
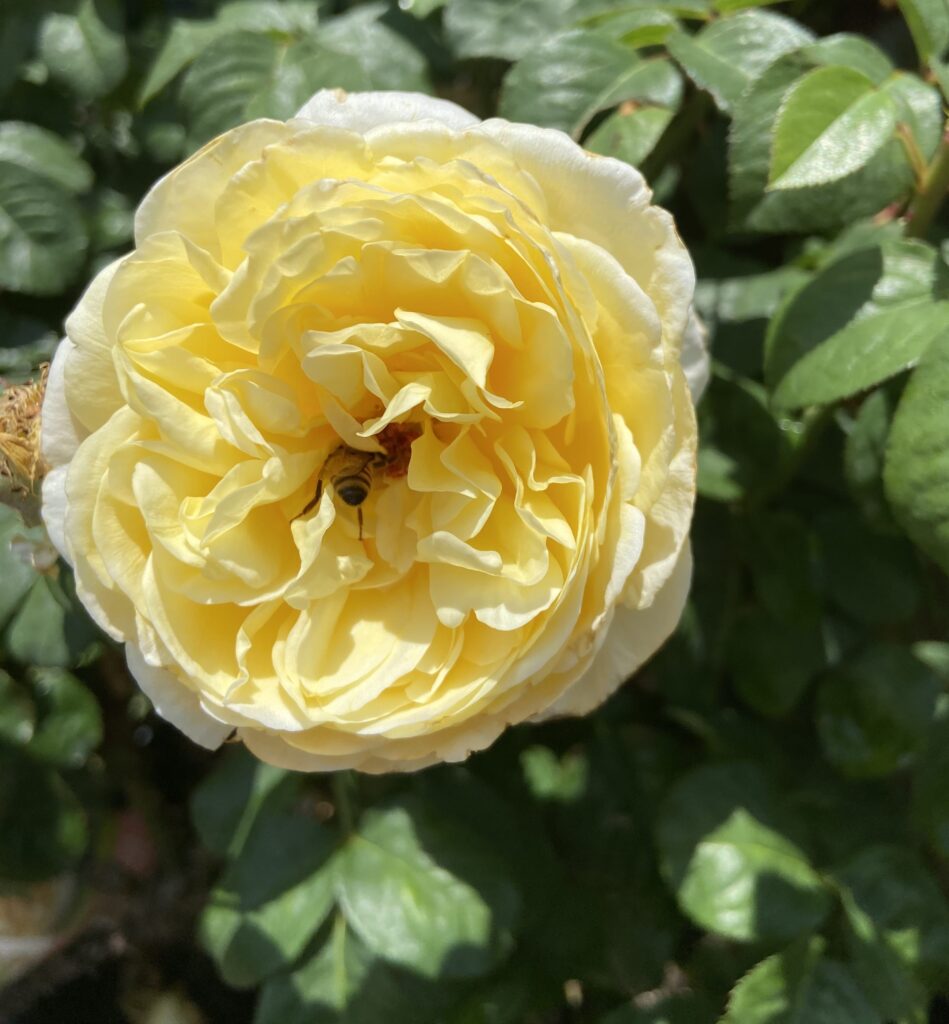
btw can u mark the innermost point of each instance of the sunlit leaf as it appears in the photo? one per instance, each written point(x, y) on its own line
point(831, 124)
point(800, 986)
point(727, 855)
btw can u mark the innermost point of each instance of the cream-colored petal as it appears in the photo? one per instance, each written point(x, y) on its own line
point(273, 749)
point(175, 702)
point(696, 362)
point(634, 636)
point(606, 201)
point(92, 388)
point(171, 203)
point(60, 434)
point(53, 508)
point(360, 111)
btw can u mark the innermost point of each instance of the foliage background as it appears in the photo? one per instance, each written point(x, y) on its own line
point(755, 830)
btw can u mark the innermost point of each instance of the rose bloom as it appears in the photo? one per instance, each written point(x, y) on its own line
point(380, 439)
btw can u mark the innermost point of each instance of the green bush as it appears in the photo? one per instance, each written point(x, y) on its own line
point(756, 829)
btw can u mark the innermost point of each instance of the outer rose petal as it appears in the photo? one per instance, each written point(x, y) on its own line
point(54, 508)
point(59, 440)
point(61, 434)
point(695, 358)
point(588, 195)
point(175, 702)
point(633, 638)
point(88, 367)
point(361, 111)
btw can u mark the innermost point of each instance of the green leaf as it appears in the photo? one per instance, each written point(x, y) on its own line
point(16, 574)
point(831, 124)
point(243, 75)
point(226, 804)
point(17, 712)
point(425, 893)
point(873, 577)
point(864, 454)
point(17, 32)
point(779, 549)
point(930, 793)
point(69, 723)
point(727, 6)
point(381, 58)
point(638, 28)
point(800, 986)
point(421, 8)
point(729, 54)
point(508, 29)
point(898, 928)
point(853, 51)
point(569, 78)
point(187, 38)
point(112, 221)
point(940, 71)
point(928, 21)
point(345, 983)
point(630, 133)
point(750, 297)
point(774, 660)
point(49, 629)
point(726, 854)
point(44, 153)
point(862, 319)
point(887, 177)
point(42, 236)
point(597, 12)
point(299, 71)
point(916, 473)
point(555, 778)
point(85, 48)
point(265, 908)
point(43, 827)
point(920, 110)
point(743, 446)
point(874, 711)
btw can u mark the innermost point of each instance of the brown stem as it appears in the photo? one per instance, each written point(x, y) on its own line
point(931, 194)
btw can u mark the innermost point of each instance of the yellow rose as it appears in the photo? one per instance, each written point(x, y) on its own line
point(380, 439)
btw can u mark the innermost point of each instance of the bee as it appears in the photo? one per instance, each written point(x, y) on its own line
point(350, 471)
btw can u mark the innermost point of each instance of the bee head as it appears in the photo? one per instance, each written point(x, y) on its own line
point(353, 494)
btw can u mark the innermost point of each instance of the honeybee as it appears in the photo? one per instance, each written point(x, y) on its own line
point(350, 471)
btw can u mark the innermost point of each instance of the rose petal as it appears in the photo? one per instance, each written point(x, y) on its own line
point(634, 636)
point(696, 361)
point(60, 434)
point(590, 196)
point(175, 702)
point(360, 111)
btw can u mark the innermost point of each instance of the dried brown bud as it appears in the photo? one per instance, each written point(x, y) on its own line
point(21, 464)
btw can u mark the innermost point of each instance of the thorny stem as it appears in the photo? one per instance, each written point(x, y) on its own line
point(931, 194)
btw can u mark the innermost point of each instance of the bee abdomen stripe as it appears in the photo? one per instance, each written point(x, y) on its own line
point(359, 479)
